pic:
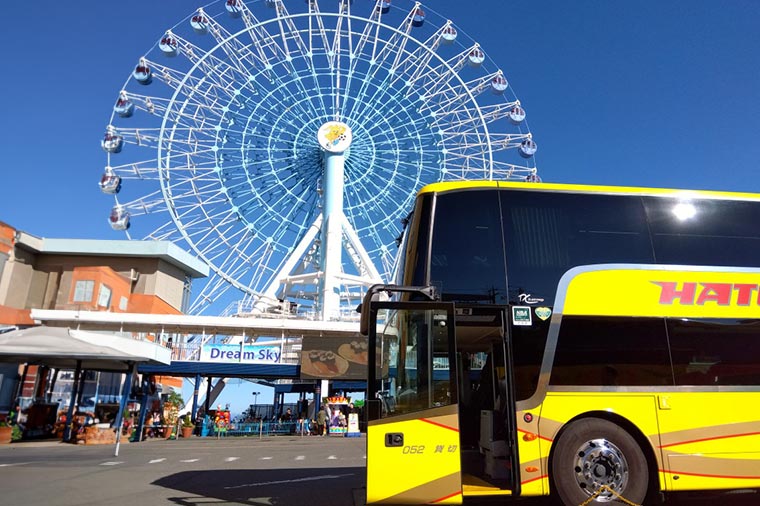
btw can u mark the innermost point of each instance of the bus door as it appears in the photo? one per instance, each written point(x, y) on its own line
point(413, 453)
point(487, 403)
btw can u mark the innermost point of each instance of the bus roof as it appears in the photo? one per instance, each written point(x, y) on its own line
point(582, 188)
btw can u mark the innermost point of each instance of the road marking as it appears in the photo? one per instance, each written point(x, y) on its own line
point(16, 464)
point(279, 482)
point(156, 461)
point(332, 457)
point(300, 457)
point(265, 458)
point(112, 463)
point(190, 460)
point(230, 459)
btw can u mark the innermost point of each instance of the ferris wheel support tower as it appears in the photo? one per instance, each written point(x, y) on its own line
point(329, 235)
point(335, 139)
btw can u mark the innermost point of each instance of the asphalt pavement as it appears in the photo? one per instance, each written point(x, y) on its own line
point(273, 471)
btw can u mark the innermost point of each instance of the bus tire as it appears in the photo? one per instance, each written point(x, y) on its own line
point(593, 453)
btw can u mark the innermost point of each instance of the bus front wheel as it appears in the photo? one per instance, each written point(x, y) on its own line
point(597, 458)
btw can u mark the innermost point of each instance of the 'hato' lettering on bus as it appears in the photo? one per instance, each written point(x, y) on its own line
point(699, 294)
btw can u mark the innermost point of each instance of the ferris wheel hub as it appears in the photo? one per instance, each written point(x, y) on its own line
point(334, 136)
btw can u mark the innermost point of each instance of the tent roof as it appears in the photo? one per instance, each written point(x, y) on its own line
point(63, 348)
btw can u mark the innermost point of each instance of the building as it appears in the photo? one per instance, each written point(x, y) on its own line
point(91, 275)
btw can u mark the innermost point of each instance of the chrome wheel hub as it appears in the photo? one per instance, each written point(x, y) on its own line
point(597, 463)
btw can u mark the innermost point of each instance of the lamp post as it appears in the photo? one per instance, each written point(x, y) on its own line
point(255, 398)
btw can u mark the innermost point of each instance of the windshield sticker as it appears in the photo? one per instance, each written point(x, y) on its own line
point(522, 316)
point(543, 313)
point(527, 298)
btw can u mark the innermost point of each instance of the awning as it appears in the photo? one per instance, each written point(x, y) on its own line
point(62, 348)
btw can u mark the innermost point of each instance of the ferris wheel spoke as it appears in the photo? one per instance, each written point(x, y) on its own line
point(437, 78)
point(266, 45)
point(219, 71)
point(144, 205)
point(238, 53)
point(450, 98)
point(414, 64)
point(466, 119)
point(221, 154)
point(129, 102)
point(369, 33)
point(187, 84)
point(167, 231)
point(374, 100)
point(494, 142)
point(144, 170)
point(394, 48)
point(214, 288)
point(315, 17)
point(289, 31)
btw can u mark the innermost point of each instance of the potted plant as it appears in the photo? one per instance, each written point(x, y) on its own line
point(6, 432)
point(173, 403)
point(187, 426)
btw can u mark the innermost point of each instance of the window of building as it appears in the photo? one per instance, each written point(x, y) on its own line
point(83, 290)
point(123, 301)
point(104, 296)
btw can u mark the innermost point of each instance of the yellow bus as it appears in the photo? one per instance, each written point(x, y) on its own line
point(600, 344)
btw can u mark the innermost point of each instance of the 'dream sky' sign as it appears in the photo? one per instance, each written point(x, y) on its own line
point(249, 354)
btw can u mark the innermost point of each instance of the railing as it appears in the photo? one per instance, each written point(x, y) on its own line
point(284, 309)
point(256, 429)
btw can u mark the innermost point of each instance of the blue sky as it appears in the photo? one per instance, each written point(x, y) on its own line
point(648, 93)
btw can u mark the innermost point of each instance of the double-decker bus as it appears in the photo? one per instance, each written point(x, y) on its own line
point(597, 343)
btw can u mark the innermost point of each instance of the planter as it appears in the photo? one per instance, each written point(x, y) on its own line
point(5, 435)
point(187, 431)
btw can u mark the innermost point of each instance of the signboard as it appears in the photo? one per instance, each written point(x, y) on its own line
point(245, 354)
point(334, 358)
point(353, 425)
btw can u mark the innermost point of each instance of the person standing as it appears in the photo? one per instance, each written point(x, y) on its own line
point(321, 420)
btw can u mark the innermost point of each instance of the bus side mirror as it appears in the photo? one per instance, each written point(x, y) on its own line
point(364, 309)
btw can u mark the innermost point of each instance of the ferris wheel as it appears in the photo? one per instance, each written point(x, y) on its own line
point(284, 146)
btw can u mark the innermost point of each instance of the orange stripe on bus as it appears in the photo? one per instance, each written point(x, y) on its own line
point(728, 476)
point(438, 424)
point(709, 439)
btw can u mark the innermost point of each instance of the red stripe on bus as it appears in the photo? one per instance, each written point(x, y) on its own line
point(534, 479)
point(438, 424)
point(447, 497)
point(710, 439)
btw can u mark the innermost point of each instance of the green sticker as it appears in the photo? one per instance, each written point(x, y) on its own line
point(522, 316)
point(543, 312)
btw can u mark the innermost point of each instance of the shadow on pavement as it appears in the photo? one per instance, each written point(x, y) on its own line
point(344, 486)
point(339, 486)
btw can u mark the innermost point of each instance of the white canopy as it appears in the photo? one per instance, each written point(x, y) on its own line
point(62, 347)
